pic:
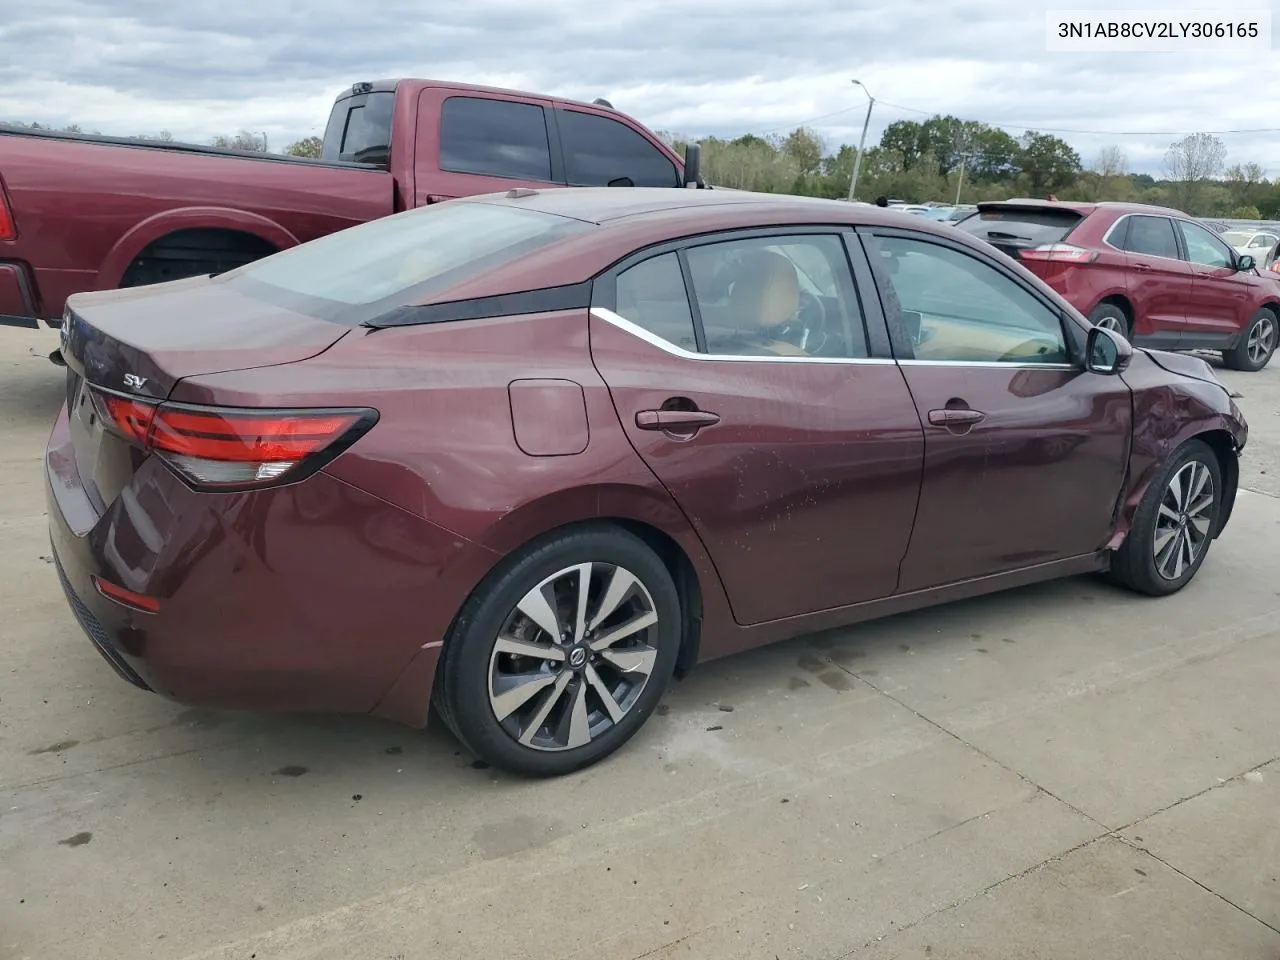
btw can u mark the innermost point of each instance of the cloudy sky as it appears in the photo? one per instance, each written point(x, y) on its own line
point(725, 67)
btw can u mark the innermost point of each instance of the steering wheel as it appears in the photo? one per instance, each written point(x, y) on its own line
point(808, 328)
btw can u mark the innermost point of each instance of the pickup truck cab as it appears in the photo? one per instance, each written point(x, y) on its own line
point(84, 212)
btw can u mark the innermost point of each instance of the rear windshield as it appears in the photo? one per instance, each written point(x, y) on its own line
point(363, 271)
point(360, 129)
point(1004, 224)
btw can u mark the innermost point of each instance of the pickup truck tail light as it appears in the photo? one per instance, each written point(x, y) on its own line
point(231, 448)
point(8, 229)
point(1059, 253)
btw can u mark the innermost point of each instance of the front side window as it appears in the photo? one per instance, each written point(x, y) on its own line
point(1152, 237)
point(957, 308)
point(599, 152)
point(790, 296)
point(494, 138)
point(1203, 247)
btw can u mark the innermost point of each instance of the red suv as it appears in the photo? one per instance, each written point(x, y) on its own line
point(1150, 273)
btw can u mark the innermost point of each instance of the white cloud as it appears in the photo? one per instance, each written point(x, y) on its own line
point(201, 67)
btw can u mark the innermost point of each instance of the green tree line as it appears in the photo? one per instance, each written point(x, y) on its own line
point(939, 157)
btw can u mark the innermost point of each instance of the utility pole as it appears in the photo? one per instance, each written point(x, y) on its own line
point(960, 183)
point(857, 161)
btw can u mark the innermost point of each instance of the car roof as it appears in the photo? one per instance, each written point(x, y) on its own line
point(604, 205)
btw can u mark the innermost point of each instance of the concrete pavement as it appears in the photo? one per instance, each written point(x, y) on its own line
point(1064, 771)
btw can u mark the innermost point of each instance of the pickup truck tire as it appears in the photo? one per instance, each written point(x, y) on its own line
point(194, 253)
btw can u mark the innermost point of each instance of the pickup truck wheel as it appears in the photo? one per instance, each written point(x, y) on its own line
point(1257, 344)
point(194, 253)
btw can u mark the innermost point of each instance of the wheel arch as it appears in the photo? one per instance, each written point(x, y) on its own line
point(1118, 299)
point(1220, 440)
point(155, 228)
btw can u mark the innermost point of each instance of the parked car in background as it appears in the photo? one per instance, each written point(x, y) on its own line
point(916, 209)
point(1152, 274)
point(1256, 243)
point(84, 212)
point(525, 456)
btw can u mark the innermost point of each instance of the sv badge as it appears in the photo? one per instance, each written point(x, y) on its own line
point(134, 381)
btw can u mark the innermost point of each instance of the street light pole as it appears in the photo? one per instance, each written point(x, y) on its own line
point(857, 161)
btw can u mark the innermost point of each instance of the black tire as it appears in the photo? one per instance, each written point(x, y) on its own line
point(463, 689)
point(1112, 316)
point(1134, 564)
point(1257, 343)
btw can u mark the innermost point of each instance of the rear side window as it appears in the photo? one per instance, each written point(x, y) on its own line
point(396, 260)
point(598, 151)
point(494, 138)
point(1150, 236)
point(652, 295)
point(1012, 225)
point(360, 129)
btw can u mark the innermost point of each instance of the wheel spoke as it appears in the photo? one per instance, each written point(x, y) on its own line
point(537, 608)
point(1179, 549)
point(1201, 506)
point(632, 626)
point(638, 660)
point(1176, 489)
point(606, 697)
point(1199, 477)
point(579, 723)
point(584, 593)
point(1168, 514)
point(1201, 525)
point(620, 584)
point(509, 701)
point(526, 648)
point(548, 703)
point(1162, 539)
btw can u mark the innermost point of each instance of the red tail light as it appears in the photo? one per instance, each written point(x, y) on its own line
point(225, 448)
point(1059, 253)
point(8, 229)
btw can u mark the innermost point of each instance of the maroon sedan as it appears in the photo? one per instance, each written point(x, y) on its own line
point(526, 456)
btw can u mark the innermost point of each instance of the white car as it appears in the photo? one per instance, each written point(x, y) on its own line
point(1257, 243)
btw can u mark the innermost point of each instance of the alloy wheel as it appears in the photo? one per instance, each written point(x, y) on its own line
point(1184, 520)
point(1261, 340)
point(1111, 323)
point(571, 659)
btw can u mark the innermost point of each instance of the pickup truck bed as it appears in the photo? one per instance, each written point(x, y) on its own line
point(217, 208)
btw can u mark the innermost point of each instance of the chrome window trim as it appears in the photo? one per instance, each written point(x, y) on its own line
point(992, 364)
point(622, 323)
point(627, 326)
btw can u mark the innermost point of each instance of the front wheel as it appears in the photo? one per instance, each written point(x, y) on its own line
point(1173, 525)
point(1257, 344)
point(562, 653)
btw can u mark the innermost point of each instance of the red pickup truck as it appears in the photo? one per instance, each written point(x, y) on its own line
point(93, 213)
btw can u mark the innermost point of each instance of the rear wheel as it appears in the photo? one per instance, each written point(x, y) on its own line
point(1112, 317)
point(1173, 525)
point(1257, 344)
point(562, 653)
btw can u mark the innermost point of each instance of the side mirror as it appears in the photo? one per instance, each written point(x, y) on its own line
point(622, 182)
point(1106, 351)
point(692, 165)
point(1245, 262)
